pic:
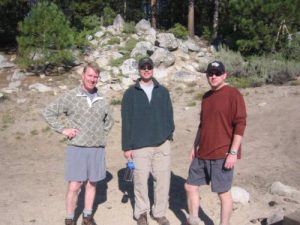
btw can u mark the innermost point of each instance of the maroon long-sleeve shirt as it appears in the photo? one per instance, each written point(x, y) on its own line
point(223, 114)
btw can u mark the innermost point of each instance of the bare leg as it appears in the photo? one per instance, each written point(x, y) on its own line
point(72, 196)
point(90, 193)
point(192, 199)
point(226, 207)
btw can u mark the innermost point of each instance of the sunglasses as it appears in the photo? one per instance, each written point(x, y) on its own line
point(146, 67)
point(215, 72)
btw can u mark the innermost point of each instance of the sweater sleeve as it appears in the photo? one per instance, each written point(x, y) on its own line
point(171, 118)
point(126, 114)
point(239, 120)
point(53, 111)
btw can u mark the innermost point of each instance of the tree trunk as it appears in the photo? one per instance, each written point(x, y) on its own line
point(153, 13)
point(216, 20)
point(124, 9)
point(191, 19)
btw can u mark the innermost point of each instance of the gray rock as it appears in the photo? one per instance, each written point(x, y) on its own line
point(126, 82)
point(191, 45)
point(116, 55)
point(160, 73)
point(163, 57)
point(39, 87)
point(7, 65)
point(89, 37)
point(240, 195)
point(2, 58)
point(129, 67)
point(94, 42)
point(103, 60)
point(8, 90)
point(14, 84)
point(278, 188)
point(17, 75)
point(111, 29)
point(201, 54)
point(21, 100)
point(141, 49)
point(168, 41)
point(119, 23)
point(115, 70)
point(184, 76)
point(4, 63)
point(105, 76)
point(99, 34)
point(150, 35)
point(116, 87)
point(142, 26)
point(276, 217)
point(182, 47)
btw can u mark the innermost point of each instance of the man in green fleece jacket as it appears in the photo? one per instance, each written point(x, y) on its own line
point(147, 128)
point(89, 120)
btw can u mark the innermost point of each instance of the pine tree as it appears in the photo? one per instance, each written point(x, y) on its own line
point(45, 37)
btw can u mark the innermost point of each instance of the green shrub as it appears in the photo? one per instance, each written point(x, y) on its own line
point(113, 41)
point(291, 50)
point(206, 34)
point(115, 101)
point(91, 23)
point(233, 61)
point(179, 31)
point(129, 28)
point(191, 104)
point(241, 82)
point(45, 37)
point(272, 69)
point(257, 70)
point(198, 96)
point(108, 16)
point(117, 62)
point(130, 44)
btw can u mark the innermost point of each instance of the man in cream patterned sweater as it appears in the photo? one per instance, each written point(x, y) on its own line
point(89, 120)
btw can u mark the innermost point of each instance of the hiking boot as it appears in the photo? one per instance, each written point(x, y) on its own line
point(161, 220)
point(88, 220)
point(70, 222)
point(142, 220)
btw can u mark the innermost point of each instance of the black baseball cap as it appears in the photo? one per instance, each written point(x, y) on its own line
point(215, 66)
point(145, 61)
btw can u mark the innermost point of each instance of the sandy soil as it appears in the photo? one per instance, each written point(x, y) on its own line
point(32, 157)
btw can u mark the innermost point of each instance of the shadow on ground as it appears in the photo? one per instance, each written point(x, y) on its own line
point(101, 196)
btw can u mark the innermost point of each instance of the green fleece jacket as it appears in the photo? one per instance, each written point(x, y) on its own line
point(145, 123)
point(92, 118)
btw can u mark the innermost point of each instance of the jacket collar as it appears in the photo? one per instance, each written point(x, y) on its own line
point(155, 83)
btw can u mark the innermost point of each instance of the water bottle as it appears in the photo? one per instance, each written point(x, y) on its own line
point(128, 175)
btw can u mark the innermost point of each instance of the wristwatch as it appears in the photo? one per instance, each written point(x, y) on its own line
point(233, 152)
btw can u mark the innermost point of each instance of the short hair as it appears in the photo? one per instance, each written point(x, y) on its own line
point(92, 65)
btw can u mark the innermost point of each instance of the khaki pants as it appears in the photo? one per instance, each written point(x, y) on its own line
point(154, 160)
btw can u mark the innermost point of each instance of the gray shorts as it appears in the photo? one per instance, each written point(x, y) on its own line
point(203, 172)
point(84, 164)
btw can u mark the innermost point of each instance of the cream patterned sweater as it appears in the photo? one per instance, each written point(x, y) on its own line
point(92, 118)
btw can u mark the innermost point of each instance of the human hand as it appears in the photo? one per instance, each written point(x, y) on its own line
point(230, 161)
point(70, 132)
point(128, 154)
point(192, 154)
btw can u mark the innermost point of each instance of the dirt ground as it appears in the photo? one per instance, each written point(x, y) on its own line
point(32, 158)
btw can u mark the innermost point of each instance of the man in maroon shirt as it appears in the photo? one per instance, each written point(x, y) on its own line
point(217, 145)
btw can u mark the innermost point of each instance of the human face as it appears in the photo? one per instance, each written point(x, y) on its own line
point(89, 79)
point(215, 80)
point(146, 72)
